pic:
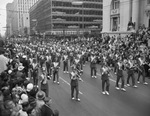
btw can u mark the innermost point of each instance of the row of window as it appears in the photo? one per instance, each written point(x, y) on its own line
point(84, 12)
point(85, 5)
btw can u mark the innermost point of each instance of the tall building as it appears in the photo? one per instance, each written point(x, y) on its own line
point(20, 14)
point(66, 16)
point(9, 19)
point(118, 13)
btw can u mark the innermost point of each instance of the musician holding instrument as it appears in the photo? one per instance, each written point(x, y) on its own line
point(120, 75)
point(65, 63)
point(141, 71)
point(93, 65)
point(130, 71)
point(105, 79)
point(55, 69)
point(74, 83)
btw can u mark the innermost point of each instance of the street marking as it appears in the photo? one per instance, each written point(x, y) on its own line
point(69, 84)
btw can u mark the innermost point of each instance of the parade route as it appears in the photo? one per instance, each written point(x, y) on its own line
point(133, 102)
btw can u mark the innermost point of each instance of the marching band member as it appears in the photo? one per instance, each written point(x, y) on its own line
point(65, 62)
point(141, 71)
point(48, 66)
point(119, 73)
point(56, 70)
point(77, 65)
point(93, 66)
point(71, 58)
point(80, 62)
point(105, 79)
point(74, 83)
point(130, 71)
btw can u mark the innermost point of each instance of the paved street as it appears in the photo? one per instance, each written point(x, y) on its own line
point(133, 102)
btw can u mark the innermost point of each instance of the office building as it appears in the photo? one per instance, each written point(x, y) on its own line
point(20, 16)
point(67, 17)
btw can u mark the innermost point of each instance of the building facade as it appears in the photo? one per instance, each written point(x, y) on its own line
point(66, 16)
point(9, 18)
point(118, 14)
point(20, 16)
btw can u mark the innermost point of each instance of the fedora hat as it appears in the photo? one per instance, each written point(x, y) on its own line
point(40, 95)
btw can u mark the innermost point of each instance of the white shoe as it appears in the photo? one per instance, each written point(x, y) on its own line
point(123, 89)
point(138, 82)
point(92, 76)
point(135, 86)
point(67, 72)
point(58, 82)
point(73, 98)
point(145, 83)
point(103, 92)
point(78, 99)
point(117, 88)
point(107, 92)
point(95, 77)
point(54, 81)
point(128, 85)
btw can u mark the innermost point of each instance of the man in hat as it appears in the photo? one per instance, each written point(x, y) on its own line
point(46, 108)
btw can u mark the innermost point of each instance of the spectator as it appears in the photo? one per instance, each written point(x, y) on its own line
point(3, 61)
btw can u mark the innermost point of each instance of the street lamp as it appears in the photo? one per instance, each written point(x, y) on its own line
point(79, 3)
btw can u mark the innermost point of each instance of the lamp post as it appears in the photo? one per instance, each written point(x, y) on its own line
point(79, 3)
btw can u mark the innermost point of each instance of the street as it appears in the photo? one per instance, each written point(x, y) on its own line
point(133, 102)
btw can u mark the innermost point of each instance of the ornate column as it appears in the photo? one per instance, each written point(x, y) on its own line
point(135, 13)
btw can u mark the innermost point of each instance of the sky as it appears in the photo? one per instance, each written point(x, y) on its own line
point(3, 15)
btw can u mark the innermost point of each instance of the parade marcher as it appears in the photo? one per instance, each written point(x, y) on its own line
point(80, 62)
point(65, 63)
point(105, 79)
point(49, 66)
point(93, 66)
point(71, 58)
point(141, 70)
point(120, 75)
point(130, 72)
point(56, 70)
point(74, 83)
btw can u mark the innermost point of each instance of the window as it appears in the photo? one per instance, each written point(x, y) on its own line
point(116, 4)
